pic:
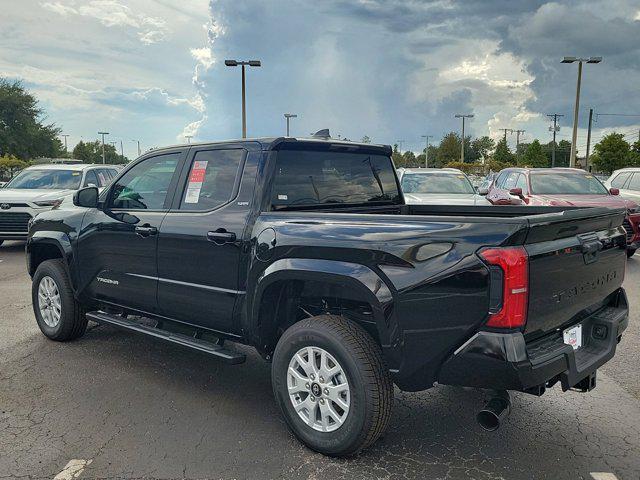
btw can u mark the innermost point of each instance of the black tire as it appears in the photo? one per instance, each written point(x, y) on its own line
point(72, 323)
point(1, 242)
point(630, 252)
point(371, 388)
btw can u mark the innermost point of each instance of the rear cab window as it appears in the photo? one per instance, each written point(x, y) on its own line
point(620, 180)
point(308, 177)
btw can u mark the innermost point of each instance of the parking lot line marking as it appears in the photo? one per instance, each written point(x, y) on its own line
point(603, 476)
point(72, 470)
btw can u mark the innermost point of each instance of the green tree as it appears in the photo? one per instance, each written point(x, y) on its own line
point(482, 147)
point(503, 154)
point(533, 156)
point(91, 152)
point(365, 139)
point(9, 165)
point(22, 131)
point(611, 153)
point(448, 150)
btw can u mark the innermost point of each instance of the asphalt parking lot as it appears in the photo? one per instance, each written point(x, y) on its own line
point(126, 406)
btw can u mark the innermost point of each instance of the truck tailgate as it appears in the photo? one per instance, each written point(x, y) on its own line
point(576, 260)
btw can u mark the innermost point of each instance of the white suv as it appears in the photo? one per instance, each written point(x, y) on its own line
point(43, 187)
point(627, 180)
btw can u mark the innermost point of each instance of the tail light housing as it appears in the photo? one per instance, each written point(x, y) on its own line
point(513, 265)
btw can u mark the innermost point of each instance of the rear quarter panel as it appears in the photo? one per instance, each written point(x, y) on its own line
point(438, 286)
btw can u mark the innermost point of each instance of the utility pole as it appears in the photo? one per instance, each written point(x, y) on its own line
point(462, 116)
point(426, 150)
point(188, 137)
point(251, 63)
point(505, 130)
point(289, 116)
point(65, 142)
point(400, 142)
point(586, 158)
point(555, 129)
point(103, 156)
point(121, 149)
point(138, 142)
point(518, 132)
point(574, 136)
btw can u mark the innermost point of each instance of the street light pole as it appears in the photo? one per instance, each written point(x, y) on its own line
point(289, 116)
point(426, 152)
point(459, 115)
point(574, 136)
point(65, 135)
point(188, 137)
point(251, 63)
point(103, 156)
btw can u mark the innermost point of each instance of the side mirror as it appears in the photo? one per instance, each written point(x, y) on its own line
point(483, 191)
point(614, 191)
point(86, 197)
point(516, 192)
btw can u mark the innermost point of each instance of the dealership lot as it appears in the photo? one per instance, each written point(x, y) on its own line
point(124, 405)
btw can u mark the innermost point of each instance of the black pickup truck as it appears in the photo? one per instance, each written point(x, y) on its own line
point(305, 250)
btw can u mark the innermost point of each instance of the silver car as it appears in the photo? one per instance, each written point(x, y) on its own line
point(627, 180)
point(438, 186)
point(42, 187)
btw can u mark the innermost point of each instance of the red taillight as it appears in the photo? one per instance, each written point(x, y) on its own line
point(514, 263)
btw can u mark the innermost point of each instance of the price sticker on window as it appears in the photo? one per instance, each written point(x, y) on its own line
point(196, 179)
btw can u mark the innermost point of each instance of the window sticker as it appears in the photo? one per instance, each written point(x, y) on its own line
point(283, 197)
point(75, 174)
point(196, 178)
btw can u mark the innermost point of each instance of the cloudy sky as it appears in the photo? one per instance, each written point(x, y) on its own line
point(393, 70)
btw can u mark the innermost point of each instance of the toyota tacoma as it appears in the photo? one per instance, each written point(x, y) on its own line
point(305, 250)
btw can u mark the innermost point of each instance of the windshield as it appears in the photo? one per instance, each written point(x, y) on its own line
point(46, 179)
point(568, 183)
point(306, 177)
point(436, 182)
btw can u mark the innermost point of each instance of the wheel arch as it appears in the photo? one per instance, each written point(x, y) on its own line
point(275, 302)
point(53, 245)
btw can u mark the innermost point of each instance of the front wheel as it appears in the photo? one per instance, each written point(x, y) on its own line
point(630, 252)
point(332, 385)
point(59, 316)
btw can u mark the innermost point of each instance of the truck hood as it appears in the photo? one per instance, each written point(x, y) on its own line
point(24, 195)
point(444, 199)
point(613, 201)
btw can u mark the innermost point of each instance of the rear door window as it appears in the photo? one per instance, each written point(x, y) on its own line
point(212, 178)
point(634, 183)
point(620, 180)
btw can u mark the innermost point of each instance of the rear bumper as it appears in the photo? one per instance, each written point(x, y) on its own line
point(505, 361)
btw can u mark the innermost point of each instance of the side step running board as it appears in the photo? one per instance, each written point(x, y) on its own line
point(224, 354)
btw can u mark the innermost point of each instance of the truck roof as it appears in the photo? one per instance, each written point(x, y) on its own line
point(271, 143)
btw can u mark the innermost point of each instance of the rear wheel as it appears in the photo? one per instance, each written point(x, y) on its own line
point(630, 252)
point(59, 316)
point(331, 383)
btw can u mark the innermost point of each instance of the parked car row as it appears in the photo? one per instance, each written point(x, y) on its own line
point(44, 187)
point(558, 187)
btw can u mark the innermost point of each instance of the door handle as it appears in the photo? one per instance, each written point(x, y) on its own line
point(146, 230)
point(221, 236)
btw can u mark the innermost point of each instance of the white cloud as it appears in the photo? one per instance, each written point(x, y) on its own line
point(112, 13)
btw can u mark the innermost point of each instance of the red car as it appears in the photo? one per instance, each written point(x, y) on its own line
point(562, 187)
